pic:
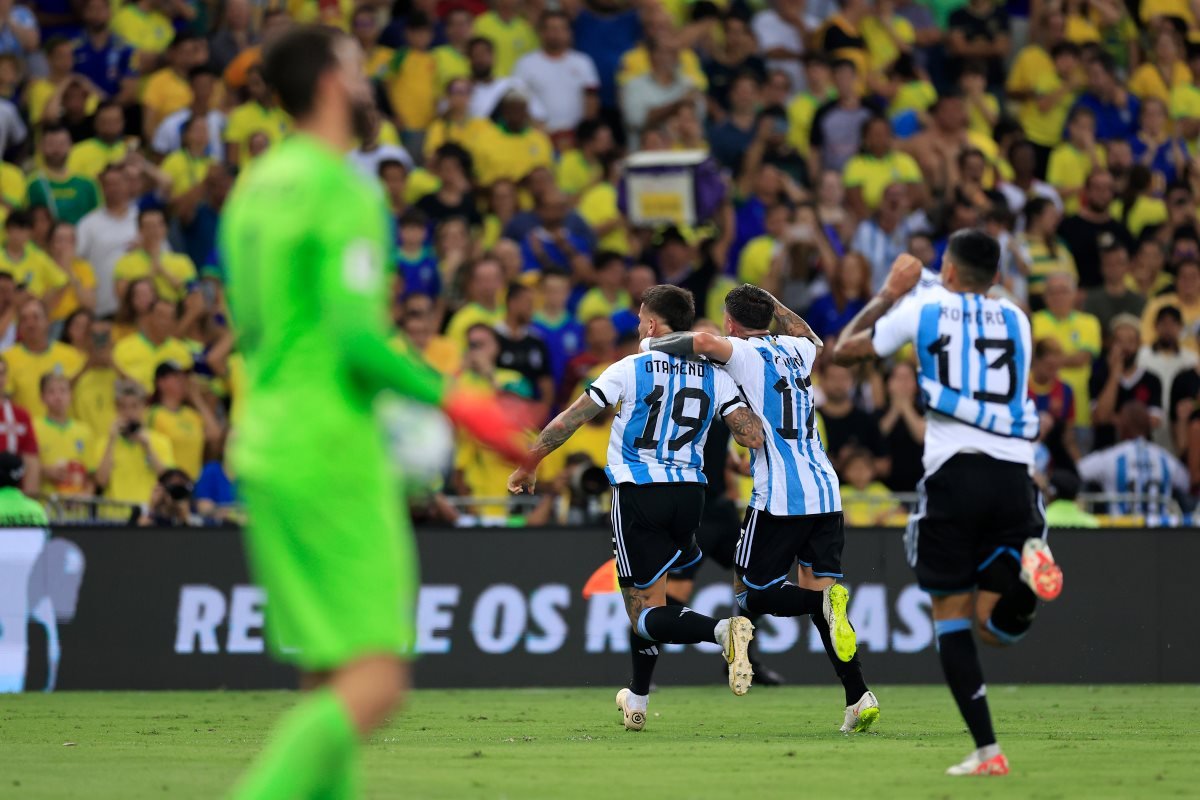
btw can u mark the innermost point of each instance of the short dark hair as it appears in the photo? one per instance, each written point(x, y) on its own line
point(148, 210)
point(1043, 348)
point(750, 307)
point(671, 304)
point(515, 290)
point(456, 152)
point(203, 69)
point(296, 61)
point(976, 255)
point(553, 13)
point(1064, 49)
point(604, 258)
point(390, 163)
point(413, 218)
point(19, 218)
point(1169, 311)
point(418, 21)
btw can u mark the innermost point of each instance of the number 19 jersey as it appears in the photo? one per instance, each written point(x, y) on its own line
point(792, 474)
point(667, 407)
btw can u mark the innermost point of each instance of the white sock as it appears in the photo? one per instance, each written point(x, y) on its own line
point(991, 751)
point(637, 702)
point(721, 632)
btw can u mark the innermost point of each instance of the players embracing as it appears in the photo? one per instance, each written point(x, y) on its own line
point(655, 464)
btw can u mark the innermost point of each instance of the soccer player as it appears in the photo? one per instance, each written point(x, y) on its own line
point(795, 512)
point(655, 465)
point(304, 238)
point(977, 540)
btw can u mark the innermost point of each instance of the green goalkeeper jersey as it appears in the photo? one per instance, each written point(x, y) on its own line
point(304, 238)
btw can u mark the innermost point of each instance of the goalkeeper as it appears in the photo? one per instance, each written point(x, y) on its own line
point(304, 237)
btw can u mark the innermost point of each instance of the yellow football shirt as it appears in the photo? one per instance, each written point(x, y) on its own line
point(1078, 333)
point(185, 429)
point(574, 173)
point(467, 317)
point(68, 302)
point(873, 175)
point(185, 171)
point(510, 40)
point(72, 445)
point(1068, 170)
point(136, 264)
point(91, 156)
point(880, 45)
point(411, 82)
point(1147, 81)
point(34, 268)
point(26, 368)
point(138, 357)
point(636, 62)
point(595, 304)
point(251, 118)
point(148, 33)
point(165, 92)
point(512, 155)
point(133, 478)
point(597, 206)
point(94, 399)
point(754, 262)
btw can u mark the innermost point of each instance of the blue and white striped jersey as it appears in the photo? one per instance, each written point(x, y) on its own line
point(1136, 467)
point(667, 406)
point(973, 356)
point(792, 474)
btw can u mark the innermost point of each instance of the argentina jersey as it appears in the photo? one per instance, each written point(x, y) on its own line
point(973, 354)
point(667, 405)
point(1139, 468)
point(792, 474)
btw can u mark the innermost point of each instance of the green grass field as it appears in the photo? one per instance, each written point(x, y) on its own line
point(1093, 742)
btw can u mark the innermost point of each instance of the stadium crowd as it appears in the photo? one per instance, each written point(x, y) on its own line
point(847, 133)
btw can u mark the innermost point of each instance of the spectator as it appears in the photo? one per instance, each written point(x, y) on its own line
point(1075, 159)
point(552, 244)
point(1050, 97)
point(100, 56)
point(455, 125)
point(68, 195)
point(484, 280)
point(866, 502)
point(171, 272)
point(410, 80)
point(1164, 71)
point(1039, 251)
point(450, 57)
point(1115, 109)
point(647, 101)
point(1167, 360)
point(521, 349)
point(180, 413)
point(1082, 230)
point(107, 148)
point(599, 350)
point(1154, 146)
point(168, 90)
point(902, 426)
point(258, 114)
point(731, 138)
point(66, 446)
point(420, 329)
point(513, 148)
point(170, 503)
point(846, 425)
point(215, 495)
point(760, 257)
point(1056, 401)
point(837, 127)
point(608, 296)
point(1113, 297)
point(1078, 336)
point(1025, 185)
point(1119, 380)
point(1146, 276)
point(108, 233)
point(454, 198)
point(1064, 510)
point(849, 291)
point(169, 136)
point(781, 31)
point(132, 457)
point(137, 357)
point(508, 32)
point(136, 303)
point(94, 400)
point(979, 30)
point(235, 34)
point(563, 80)
point(30, 267)
point(879, 166)
point(1186, 298)
point(19, 438)
point(1141, 472)
point(884, 235)
point(735, 56)
point(416, 261)
point(80, 289)
point(555, 326)
point(36, 355)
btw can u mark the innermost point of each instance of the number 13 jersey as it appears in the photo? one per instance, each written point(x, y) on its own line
point(667, 407)
point(973, 355)
point(792, 474)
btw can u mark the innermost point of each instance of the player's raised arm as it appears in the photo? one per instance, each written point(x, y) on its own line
point(688, 344)
point(792, 324)
point(857, 340)
point(552, 437)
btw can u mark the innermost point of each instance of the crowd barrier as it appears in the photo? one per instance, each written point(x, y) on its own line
point(139, 608)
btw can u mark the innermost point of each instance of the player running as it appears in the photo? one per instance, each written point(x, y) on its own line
point(978, 537)
point(655, 463)
point(304, 238)
point(795, 511)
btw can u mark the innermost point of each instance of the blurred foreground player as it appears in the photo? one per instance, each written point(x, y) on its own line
point(978, 538)
point(304, 239)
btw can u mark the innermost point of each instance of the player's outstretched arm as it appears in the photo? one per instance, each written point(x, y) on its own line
point(687, 344)
point(552, 437)
point(855, 344)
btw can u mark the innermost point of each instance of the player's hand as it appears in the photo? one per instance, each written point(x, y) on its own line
point(522, 480)
point(904, 275)
point(496, 425)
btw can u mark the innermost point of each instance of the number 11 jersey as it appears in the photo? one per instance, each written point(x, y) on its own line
point(792, 474)
point(667, 407)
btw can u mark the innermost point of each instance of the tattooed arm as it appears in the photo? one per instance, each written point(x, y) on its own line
point(854, 344)
point(746, 428)
point(550, 439)
point(715, 348)
point(792, 324)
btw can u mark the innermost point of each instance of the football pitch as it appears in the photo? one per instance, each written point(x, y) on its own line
point(1062, 741)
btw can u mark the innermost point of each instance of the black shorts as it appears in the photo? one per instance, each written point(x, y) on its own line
point(770, 546)
point(972, 520)
point(718, 536)
point(654, 530)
